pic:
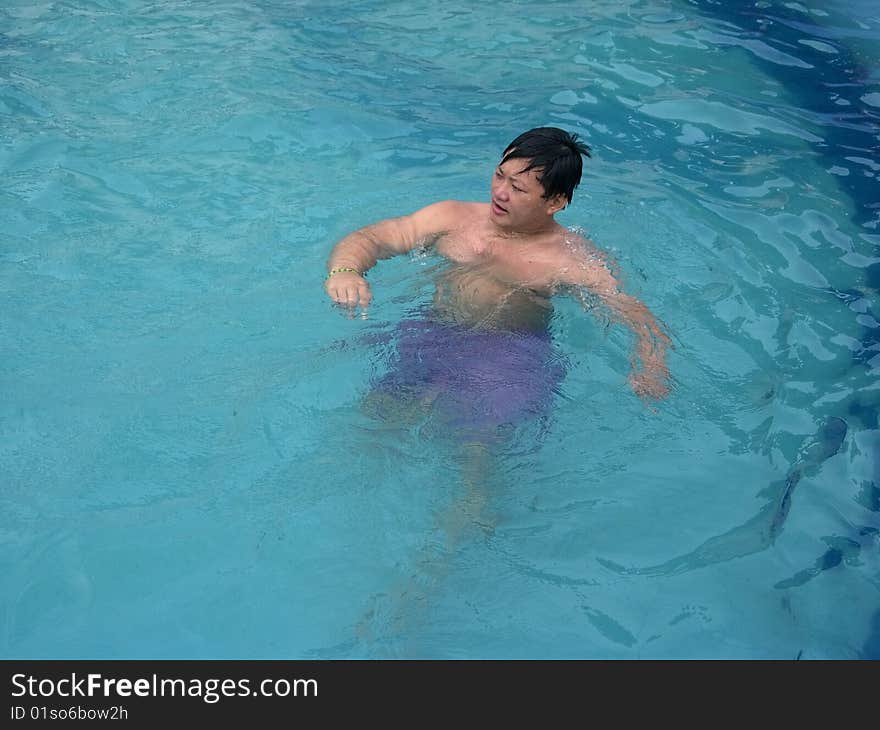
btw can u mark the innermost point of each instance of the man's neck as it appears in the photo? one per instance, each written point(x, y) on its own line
point(523, 234)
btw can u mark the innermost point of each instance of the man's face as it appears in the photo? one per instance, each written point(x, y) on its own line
point(517, 197)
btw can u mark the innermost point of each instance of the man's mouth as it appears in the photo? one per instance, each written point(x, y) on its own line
point(497, 208)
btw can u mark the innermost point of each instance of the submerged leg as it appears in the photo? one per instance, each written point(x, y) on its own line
point(402, 408)
point(466, 517)
point(401, 610)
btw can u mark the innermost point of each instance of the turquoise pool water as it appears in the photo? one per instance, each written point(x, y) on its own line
point(184, 467)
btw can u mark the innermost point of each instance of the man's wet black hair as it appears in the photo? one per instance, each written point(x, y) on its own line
point(554, 154)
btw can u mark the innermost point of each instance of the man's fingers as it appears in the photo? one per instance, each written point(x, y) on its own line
point(350, 295)
point(650, 384)
point(359, 295)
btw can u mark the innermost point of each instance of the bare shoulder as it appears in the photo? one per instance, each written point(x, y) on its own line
point(437, 219)
point(449, 211)
point(581, 261)
point(572, 248)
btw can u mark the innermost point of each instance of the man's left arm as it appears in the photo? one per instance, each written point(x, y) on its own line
point(650, 374)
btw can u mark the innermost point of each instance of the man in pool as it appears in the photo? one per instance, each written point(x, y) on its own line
point(483, 347)
point(480, 358)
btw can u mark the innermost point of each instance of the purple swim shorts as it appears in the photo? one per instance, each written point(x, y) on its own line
point(475, 378)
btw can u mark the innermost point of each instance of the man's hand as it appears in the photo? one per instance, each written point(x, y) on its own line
point(652, 380)
point(649, 384)
point(349, 289)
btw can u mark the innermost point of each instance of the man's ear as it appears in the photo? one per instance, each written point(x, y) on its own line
point(556, 203)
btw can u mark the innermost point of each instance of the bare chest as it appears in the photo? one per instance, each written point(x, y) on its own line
point(509, 263)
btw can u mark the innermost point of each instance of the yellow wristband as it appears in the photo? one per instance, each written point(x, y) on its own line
point(344, 268)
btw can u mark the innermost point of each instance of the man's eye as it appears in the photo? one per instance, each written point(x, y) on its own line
point(519, 190)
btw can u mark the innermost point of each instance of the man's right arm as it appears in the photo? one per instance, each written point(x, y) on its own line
point(361, 249)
